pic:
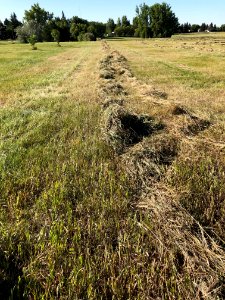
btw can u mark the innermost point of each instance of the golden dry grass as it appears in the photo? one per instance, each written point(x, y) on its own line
point(175, 210)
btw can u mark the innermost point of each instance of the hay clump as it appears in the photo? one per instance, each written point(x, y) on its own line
point(108, 73)
point(196, 254)
point(111, 101)
point(119, 57)
point(123, 128)
point(113, 88)
point(106, 69)
point(148, 161)
point(182, 110)
point(194, 124)
point(105, 61)
point(156, 93)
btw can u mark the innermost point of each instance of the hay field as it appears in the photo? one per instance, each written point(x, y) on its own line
point(112, 169)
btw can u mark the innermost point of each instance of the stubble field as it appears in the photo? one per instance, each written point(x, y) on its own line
point(112, 169)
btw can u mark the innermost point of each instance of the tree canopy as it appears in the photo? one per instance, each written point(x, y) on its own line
point(157, 21)
point(163, 22)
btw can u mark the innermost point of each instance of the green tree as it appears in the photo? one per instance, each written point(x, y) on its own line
point(125, 22)
point(77, 26)
point(186, 27)
point(195, 27)
point(33, 40)
point(29, 29)
point(119, 31)
point(63, 25)
point(2, 31)
point(10, 26)
point(88, 36)
point(163, 22)
point(38, 14)
point(56, 35)
point(142, 21)
point(203, 27)
point(7, 28)
point(118, 23)
point(39, 19)
point(110, 26)
point(77, 30)
point(124, 28)
point(96, 28)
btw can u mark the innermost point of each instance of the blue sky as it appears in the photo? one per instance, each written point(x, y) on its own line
point(193, 11)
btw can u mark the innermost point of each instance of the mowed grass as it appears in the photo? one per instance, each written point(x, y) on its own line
point(69, 229)
point(69, 226)
point(190, 70)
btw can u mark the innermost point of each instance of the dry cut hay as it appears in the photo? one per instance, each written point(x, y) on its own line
point(146, 155)
point(156, 93)
point(195, 252)
point(113, 88)
point(193, 123)
point(111, 101)
point(106, 69)
point(108, 73)
point(122, 128)
point(147, 162)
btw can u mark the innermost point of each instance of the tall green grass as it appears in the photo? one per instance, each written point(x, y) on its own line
point(69, 226)
point(69, 229)
point(200, 181)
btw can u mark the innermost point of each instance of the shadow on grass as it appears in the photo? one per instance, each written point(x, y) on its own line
point(10, 272)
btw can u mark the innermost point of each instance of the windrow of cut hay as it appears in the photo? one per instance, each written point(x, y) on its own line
point(147, 150)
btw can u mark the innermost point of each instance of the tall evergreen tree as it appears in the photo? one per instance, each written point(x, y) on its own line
point(2, 31)
point(11, 25)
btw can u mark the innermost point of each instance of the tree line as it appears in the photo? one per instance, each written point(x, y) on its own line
point(157, 20)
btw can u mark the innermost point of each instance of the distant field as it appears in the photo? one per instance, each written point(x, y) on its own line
point(200, 35)
point(81, 218)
